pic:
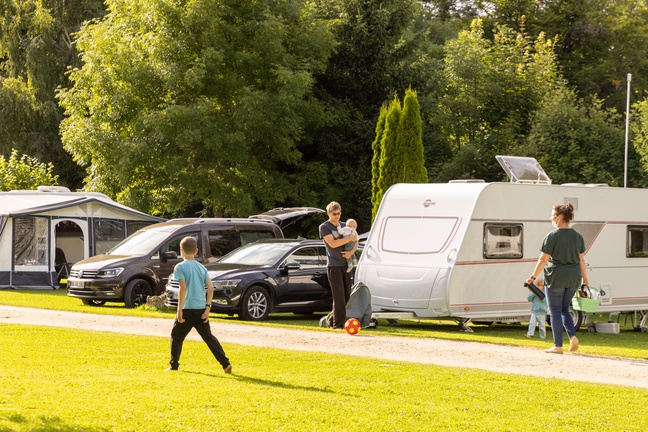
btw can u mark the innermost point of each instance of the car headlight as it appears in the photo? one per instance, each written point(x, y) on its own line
point(114, 272)
point(225, 284)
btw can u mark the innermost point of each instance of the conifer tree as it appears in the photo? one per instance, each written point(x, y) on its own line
point(375, 160)
point(410, 141)
point(391, 158)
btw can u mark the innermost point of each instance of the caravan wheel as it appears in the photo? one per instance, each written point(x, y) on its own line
point(577, 317)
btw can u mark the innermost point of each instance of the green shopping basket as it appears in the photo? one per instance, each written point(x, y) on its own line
point(582, 301)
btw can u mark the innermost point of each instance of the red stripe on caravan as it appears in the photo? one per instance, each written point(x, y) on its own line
point(469, 263)
point(453, 235)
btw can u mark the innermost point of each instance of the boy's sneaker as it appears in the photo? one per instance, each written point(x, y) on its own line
point(228, 369)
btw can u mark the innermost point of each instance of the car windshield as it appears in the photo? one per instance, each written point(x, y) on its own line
point(258, 254)
point(140, 243)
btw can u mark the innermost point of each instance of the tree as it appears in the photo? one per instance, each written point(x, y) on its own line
point(382, 47)
point(639, 124)
point(576, 142)
point(598, 43)
point(35, 52)
point(25, 173)
point(493, 88)
point(392, 158)
point(195, 103)
point(410, 140)
point(375, 160)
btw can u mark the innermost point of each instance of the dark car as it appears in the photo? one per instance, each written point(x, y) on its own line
point(139, 266)
point(273, 275)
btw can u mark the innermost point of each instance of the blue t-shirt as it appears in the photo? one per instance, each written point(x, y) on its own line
point(194, 275)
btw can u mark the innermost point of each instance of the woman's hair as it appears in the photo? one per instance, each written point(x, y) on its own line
point(565, 210)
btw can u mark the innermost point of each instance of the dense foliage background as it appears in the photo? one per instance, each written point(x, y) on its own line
point(229, 107)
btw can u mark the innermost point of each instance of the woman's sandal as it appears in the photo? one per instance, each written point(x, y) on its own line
point(573, 344)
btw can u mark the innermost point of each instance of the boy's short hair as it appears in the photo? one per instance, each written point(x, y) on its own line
point(189, 245)
point(349, 221)
point(539, 282)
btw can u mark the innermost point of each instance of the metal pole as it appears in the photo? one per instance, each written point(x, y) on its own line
point(625, 164)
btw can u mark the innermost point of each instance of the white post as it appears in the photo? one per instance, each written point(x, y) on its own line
point(625, 164)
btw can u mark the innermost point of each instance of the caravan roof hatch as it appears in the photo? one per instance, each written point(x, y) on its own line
point(523, 170)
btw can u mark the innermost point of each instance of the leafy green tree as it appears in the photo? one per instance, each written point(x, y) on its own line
point(392, 158)
point(410, 140)
point(493, 88)
point(638, 151)
point(598, 43)
point(196, 103)
point(25, 173)
point(577, 142)
point(35, 52)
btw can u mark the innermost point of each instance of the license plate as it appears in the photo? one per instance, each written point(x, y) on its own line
point(75, 284)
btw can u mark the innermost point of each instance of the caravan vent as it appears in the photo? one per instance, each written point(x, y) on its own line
point(53, 189)
point(523, 170)
point(467, 181)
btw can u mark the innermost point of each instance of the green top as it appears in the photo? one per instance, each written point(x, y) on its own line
point(564, 247)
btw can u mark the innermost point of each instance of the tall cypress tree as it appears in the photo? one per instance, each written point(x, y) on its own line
point(410, 141)
point(391, 157)
point(375, 160)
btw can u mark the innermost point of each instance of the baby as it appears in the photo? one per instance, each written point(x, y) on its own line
point(345, 231)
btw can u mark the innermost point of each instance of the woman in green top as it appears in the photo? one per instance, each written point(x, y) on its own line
point(563, 261)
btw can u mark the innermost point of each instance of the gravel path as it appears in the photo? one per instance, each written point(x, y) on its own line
point(485, 356)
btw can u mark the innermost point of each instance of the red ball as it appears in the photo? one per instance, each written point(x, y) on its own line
point(352, 326)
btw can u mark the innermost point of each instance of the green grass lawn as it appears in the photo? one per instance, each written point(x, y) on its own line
point(54, 379)
point(626, 344)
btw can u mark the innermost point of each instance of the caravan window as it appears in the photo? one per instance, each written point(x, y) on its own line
point(502, 240)
point(637, 241)
point(30, 241)
point(409, 235)
point(589, 231)
point(108, 234)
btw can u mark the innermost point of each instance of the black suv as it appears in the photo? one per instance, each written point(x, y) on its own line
point(139, 266)
point(275, 275)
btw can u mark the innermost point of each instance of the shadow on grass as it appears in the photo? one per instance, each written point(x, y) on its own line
point(264, 382)
point(46, 424)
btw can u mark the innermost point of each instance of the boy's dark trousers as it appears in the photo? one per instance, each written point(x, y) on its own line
point(193, 319)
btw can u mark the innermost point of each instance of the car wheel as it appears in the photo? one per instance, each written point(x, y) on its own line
point(136, 293)
point(91, 302)
point(256, 304)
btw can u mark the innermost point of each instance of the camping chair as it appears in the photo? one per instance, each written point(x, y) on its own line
point(61, 266)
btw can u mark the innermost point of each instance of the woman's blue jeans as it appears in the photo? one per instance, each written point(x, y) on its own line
point(559, 300)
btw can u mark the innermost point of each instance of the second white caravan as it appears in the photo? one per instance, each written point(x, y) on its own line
point(462, 250)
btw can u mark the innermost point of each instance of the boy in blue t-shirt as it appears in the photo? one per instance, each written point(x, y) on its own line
point(193, 307)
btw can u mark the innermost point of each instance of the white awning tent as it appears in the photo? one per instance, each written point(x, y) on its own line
point(43, 232)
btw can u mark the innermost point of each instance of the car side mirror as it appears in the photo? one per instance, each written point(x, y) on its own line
point(169, 255)
point(291, 266)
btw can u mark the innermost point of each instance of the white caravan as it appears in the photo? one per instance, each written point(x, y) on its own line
point(463, 250)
